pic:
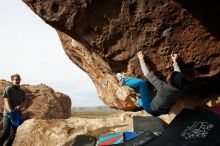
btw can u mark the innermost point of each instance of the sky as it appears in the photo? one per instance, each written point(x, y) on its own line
point(32, 48)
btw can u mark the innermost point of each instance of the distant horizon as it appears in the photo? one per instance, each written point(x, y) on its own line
point(93, 106)
point(32, 48)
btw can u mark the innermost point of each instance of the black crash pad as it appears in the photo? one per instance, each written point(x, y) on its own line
point(147, 123)
point(191, 128)
point(84, 140)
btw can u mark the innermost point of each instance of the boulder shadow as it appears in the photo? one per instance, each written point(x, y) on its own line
point(206, 12)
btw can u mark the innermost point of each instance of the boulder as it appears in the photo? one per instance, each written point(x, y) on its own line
point(102, 38)
point(62, 132)
point(43, 102)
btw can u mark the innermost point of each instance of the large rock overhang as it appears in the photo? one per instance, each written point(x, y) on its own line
point(102, 37)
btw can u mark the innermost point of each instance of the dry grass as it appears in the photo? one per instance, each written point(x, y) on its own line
point(91, 115)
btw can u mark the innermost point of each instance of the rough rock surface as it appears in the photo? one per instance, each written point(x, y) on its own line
point(63, 132)
point(103, 36)
point(44, 102)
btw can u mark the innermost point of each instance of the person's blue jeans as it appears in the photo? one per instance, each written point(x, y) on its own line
point(140, 87)
point(7, 125)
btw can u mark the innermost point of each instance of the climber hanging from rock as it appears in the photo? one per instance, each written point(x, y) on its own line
point(167, 92)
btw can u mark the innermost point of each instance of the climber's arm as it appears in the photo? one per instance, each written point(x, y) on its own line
point(155, 81)
point(144, 68)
